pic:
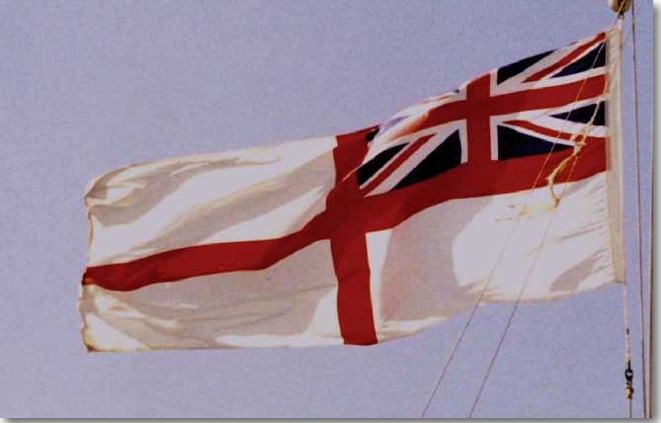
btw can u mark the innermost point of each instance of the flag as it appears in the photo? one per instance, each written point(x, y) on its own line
point(506, 189)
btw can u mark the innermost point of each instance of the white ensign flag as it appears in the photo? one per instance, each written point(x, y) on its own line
point(504, 190)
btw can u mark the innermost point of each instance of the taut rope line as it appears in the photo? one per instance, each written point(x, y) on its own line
point(574, 158)
point(517, 220)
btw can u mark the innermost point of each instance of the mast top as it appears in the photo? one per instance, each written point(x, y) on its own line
point(620, 6)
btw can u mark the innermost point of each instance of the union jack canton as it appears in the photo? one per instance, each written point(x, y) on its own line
point(538, 105)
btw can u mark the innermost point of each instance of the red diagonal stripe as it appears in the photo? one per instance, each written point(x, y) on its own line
point(442, 114)
point(552, 132)
point(567, 59)
point(395, 164)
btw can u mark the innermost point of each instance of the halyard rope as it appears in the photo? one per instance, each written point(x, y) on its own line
point(628, 370)
point(517, 220)
point(574, 159)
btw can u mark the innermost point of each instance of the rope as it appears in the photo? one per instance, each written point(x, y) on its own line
point(509, 237)
point(625, 292)
point(574, 158)
point(627, 346)
point(650, 343)
point(495, 267)
point(639, 209)
point(628, 373)
point(516, 306)
point(650, 309)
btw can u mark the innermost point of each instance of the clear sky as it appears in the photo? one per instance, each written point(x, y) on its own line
point(89, 86)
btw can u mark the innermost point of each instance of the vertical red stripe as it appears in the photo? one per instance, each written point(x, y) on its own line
point(478, 121)
point(348, 245)
point(354, 303)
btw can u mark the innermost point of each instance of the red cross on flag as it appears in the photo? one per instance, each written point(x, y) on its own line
point(506, 189)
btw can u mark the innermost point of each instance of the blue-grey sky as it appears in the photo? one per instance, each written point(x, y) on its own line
point(88, 86)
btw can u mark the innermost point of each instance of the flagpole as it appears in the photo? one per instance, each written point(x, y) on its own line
point(650, 274)
point(647, 376)
point(650, 408)
point(620, 7)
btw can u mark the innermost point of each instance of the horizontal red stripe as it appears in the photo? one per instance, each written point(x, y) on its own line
point(500, 177)
point(384, 211)
point(200, 260)
point(533, 99)
point(547, 97)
